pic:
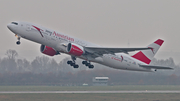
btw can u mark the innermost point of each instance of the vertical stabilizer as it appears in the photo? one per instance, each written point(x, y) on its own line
point(147, 55)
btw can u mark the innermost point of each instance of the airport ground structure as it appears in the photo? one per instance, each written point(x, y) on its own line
point(100, 81)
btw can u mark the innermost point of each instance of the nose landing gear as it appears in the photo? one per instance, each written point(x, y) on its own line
point(18, 37)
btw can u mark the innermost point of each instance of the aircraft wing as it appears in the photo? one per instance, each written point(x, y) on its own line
point(99, 51)
point(155, 67)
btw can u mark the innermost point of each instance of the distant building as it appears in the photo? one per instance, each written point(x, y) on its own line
point(100, 81)
point(85, 84)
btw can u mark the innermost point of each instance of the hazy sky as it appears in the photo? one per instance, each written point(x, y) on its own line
point(108, 23)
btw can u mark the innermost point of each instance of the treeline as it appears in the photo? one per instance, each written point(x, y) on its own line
point(10, 64)
point(46, 71)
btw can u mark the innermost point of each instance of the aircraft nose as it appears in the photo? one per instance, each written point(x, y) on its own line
point(9, 26)
point(12, 26)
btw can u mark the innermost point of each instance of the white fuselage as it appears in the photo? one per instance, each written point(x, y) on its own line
point(53, 38)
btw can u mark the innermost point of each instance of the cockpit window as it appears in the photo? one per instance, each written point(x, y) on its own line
point(14, 23)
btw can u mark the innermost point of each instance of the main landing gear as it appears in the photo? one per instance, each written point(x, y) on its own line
point(87, 64)
point(18, 42)
point(73, 63)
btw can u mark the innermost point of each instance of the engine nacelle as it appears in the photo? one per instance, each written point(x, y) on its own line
point(48, 50)
point(75, 49)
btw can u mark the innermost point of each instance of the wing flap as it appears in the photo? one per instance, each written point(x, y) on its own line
point(155, 67)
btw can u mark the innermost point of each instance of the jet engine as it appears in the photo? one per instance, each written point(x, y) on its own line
point(75, 49)
point(48, 50)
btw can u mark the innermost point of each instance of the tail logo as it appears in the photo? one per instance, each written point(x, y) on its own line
point(146, 55)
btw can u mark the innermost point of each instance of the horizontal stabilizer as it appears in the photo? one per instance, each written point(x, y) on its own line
point(155, 67)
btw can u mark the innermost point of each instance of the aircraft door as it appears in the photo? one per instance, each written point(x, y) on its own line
point(28, 27)
point(47, 38)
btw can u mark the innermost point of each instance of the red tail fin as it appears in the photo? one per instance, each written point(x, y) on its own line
point(147, 55)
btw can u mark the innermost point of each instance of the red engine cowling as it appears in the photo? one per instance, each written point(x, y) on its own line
point(48, 50)
point(75, 49)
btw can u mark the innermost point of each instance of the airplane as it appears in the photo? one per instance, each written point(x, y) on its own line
point(55, 43)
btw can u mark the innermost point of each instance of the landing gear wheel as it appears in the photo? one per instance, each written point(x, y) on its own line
point(84, 62)
point(18, 42)
point(69, 62)
point(76, 66)
point(91, 66)
point(87, 64)
point(72, 64)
